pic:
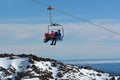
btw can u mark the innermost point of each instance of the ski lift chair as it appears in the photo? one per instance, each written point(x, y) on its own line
point(56, 27)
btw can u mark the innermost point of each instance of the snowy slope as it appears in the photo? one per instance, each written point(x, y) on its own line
point(30, 67)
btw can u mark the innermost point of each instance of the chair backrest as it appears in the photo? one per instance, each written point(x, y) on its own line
point(56, 27)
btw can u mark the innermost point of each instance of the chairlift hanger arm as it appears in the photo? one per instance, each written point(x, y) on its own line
point(50, 8)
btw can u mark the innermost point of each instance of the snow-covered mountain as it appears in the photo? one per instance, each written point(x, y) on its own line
point(31, 67)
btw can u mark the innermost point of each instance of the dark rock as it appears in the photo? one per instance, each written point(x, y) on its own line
point(59, 74)
point(99, 75)
point(113, 78)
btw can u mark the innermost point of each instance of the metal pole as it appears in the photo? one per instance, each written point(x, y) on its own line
point(50, 17)
point(50, 8)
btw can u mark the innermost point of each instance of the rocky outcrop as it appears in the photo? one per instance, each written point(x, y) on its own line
point(21, 67)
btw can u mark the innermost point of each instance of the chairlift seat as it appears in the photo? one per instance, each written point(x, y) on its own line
point(56, 27)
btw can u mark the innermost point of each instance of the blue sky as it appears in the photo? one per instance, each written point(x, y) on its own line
point(23, 23)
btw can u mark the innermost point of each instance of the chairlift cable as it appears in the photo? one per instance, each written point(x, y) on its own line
point(40, 3)
point(88, 22)
point(66, 13)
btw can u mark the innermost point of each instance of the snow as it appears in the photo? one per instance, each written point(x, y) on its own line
point(20, 64)
point(31, 79)
point(54, 71)
point(4, 62)
point(43, 65)
point(46, 65)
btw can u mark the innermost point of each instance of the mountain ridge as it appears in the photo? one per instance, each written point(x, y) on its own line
point(28, 66)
